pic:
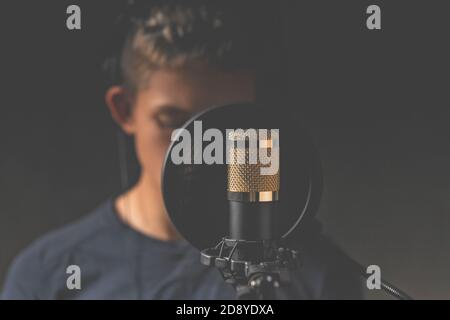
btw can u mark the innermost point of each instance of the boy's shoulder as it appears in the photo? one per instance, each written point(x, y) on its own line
point(34, 267)
point(67, 238)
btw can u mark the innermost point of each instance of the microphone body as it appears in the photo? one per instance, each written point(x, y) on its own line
point(252, 195)
point(252, 220)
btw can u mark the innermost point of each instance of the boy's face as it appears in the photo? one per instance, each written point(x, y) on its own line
point(171, 97)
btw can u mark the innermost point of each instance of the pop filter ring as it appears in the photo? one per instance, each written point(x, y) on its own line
point(307, 210)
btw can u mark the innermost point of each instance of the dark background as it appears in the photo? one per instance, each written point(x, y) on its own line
point(376, 103)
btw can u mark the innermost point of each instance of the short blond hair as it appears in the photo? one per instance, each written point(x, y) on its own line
point(167, 33)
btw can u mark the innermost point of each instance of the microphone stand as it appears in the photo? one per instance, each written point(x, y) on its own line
point(258, 270)
point(356, 267)
point(261, 270)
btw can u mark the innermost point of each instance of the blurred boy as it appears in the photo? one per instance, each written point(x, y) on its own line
point(177, 59)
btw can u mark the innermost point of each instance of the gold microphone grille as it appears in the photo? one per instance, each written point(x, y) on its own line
point(247, 177)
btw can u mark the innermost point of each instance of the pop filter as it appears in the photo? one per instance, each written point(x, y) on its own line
point(195, 194)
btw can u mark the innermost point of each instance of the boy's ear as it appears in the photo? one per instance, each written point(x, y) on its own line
point(119, 105)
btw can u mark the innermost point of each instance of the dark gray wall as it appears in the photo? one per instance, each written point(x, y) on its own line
point(376, 103)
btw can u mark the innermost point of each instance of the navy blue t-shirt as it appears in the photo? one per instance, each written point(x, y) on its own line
point(118, 262)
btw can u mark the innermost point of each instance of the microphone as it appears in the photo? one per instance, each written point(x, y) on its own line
point(250, 258)
point(252, 195)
